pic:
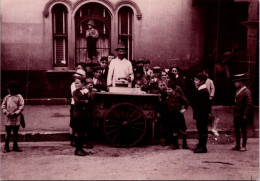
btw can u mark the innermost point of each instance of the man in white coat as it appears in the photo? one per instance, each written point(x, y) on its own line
point(120, 68)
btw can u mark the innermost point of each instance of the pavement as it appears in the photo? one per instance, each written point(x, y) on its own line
point(56, 161)
point(51, 123)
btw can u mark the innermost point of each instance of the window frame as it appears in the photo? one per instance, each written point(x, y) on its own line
point(60, 35)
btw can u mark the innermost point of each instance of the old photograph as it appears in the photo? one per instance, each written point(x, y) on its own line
point(129, 90)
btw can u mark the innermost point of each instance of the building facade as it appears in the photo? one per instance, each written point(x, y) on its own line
point(43, 40)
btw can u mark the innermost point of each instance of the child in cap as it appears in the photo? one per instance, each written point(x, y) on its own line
point(98, 82)
point(147, 71)
point(81, 113)
point(104, 67)
point(174, 121)
point(243, 110)
point(12, 106)
point(139, 80)
point(153, 83)
point(201, 110)
point(79, 73)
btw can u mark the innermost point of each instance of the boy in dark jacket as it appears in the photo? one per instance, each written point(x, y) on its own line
point(243, 110)
point(176, 106)
point(201, 110)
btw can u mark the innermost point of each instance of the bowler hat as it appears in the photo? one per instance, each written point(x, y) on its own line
point(91, 22)
point(120, 46)
point(240, 77)
point(79, 72)
point(157, 69)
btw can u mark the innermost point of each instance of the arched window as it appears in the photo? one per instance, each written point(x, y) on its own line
point(101, 19)
point(60, 36)
point(125, 15)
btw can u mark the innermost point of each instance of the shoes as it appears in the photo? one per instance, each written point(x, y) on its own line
point(175, 147)
point(200, 150)
point(87, 146)
point(215, 132)
point(165, 143)
point(185, 146)
point(17, 149)
point(6, 150)
point(243, 148)
point(79, 153)
point(236, 148)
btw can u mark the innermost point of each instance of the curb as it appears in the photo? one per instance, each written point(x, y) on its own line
point(52, 136)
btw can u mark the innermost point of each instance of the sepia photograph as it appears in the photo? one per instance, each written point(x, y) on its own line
point(129, 90)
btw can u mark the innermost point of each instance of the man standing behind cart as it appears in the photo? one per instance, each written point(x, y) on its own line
point(120, 68)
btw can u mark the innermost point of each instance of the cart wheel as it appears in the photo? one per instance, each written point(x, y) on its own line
point(124, 125)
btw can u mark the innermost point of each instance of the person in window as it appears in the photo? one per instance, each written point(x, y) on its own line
point(92, 36)
point(120, 68)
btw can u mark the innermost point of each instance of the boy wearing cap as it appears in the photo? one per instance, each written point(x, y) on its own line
point(153, 87)
point(120, 68)
point(243, 110)
point(98, 82)
point(201, 110)
point(104, 67)
point(147, 71)
point(78, 73)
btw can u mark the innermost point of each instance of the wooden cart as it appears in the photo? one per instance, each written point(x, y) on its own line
point(125, 116)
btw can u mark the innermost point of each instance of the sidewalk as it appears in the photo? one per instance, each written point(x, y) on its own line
point(51, 122)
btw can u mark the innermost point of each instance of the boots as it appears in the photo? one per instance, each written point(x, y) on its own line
point(72, 140)
point(6, 149)
point(175, 144)
point(243, 148)
point(79, 151)
point(237, 146)
point(15, 146)
point(184, 142)
point(86, 143)
point(203, 146)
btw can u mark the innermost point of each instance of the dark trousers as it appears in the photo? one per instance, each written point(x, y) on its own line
point(91, 47)
point(8, 130)
point(240, 124)
point(202, 127)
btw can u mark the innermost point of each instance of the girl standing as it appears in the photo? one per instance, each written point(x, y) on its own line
point(12, 106)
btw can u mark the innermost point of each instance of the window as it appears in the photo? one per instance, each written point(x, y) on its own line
point(60, 36)
point(101, 18)
point(125, 29)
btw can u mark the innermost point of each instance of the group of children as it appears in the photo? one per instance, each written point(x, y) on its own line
point(89, 79)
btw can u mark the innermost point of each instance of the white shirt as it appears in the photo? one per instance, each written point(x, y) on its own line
point(210, 86)
point(119, 69)
point(203, 86)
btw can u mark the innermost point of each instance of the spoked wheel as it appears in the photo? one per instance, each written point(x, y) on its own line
point(124, 125)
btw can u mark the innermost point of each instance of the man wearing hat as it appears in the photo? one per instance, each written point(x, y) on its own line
point(120, 68)
point(92, 36)
point(243, 110)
